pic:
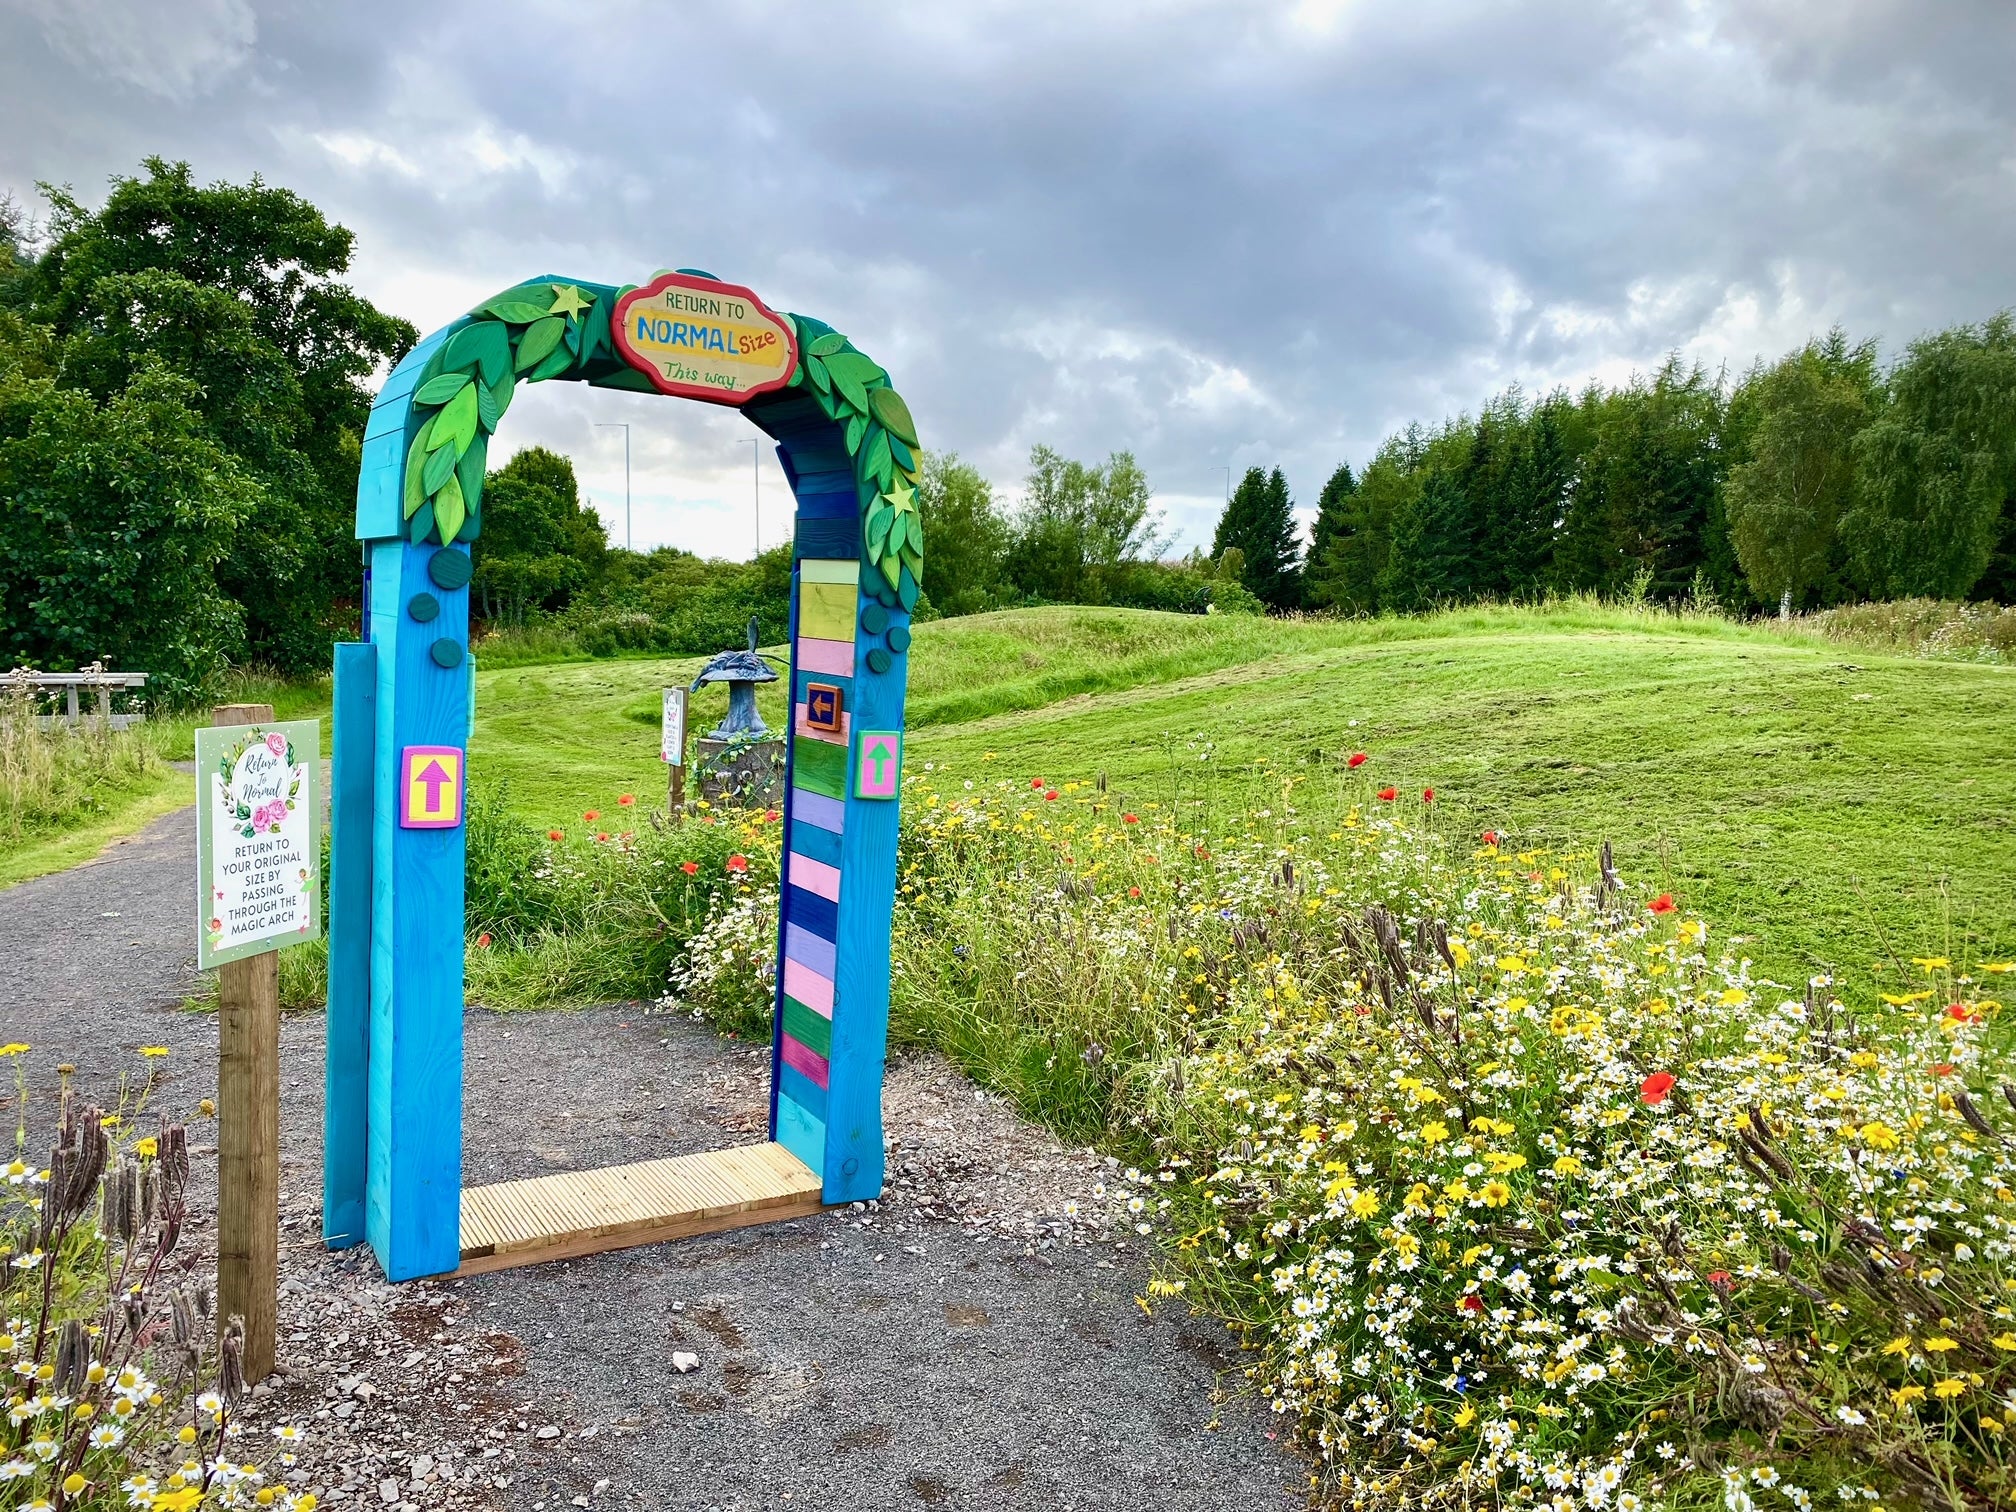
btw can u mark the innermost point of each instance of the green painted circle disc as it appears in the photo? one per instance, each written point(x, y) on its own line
point(449, 569)
point(899, 637)
point(880, 660)
point(423, 607)
point(446, 653)
point(874, 619)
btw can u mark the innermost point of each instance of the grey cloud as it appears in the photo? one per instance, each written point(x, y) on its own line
point(1061, 221)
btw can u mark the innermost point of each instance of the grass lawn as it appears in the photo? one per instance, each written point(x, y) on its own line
point(1845, 809)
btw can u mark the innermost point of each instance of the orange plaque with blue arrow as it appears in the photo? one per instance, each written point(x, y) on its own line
point(430, 787)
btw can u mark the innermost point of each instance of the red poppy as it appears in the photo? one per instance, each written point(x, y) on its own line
point(1721, 1280)
point(1135, 892)
point(1663, 903)
point(1943, 1069)
point(1471, 1304)
point(1130, 818)
point(483, 940)
point(1358, 759)
point(591, 816)
point(1037, 784)
point(770, 815)
point(1490, 837)
point(738, 863)
point(1051, 796)
point(689, 867)
point(1202, 854)
point(1654, 1089)
point(1960, 1013)
point(555, 835)
point(602, 838)
point(1427, 795)
point(626, 800)
point(1387, 794)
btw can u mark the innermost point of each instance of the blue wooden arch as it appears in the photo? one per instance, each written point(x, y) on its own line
point(393, 1117)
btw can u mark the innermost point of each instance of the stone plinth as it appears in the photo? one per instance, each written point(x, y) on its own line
point(741, 773)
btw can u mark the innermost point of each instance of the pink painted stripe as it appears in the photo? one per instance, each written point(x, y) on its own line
point(810, 988)
point(826, 735)
point(835, 658)
point(815, 877)
point(799, 1058)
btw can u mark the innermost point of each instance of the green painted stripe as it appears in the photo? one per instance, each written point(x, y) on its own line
point(820, 766)
point(826, 610)
point(827, 570)
point(810, 1029)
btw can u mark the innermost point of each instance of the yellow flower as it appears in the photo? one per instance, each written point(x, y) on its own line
point(1465, 1417)
point(1900, 999)
point(176, 1501)
point(1898, 1346)
point(1567, 1165)
point(1504, 1162)
point(1880, 1136)
point(147, 1148)
point(2004, 1340)
point(17, 1048)
point(1496, 1194)
point(1940, 1345)
point(1456, 1191)
point(186, 1434)
point(1434, 1133)
point(1949, 1388)
point(73, 1483)
point(1931, 963)
point(1904, 1396)
point(2000, 967)
point(1364, 1205)
point(153, 1052)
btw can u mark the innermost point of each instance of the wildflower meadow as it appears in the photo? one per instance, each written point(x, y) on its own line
point(1517, 1185)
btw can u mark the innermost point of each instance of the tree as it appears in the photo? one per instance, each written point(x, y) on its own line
point(968, 533)
point(236, 286)
point(1935, 471)
point(539, 546)
point(1353, 565)
point(1079, 525)
point(1259, 520)
point(1784, 502)
point(1333, 523)
point(117, 517)
point(1434, 552)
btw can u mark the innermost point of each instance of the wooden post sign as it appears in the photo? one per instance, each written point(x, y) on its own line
point(393, 1136)
point(259, 886)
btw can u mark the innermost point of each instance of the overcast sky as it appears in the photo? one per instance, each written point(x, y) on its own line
point(1215, 234)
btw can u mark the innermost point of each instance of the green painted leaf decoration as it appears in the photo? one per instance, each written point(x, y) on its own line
point(449, 510)
point(875, 460)
point(482, 344)
point(440, 467)
point(538, 341)
point(890, 409)
point(501, 392)
point(456, 424)
point(416, 464)
point(520, 306)
point(913, 560)
point(422, 524)
point(557, 362)
point(440, 390)
point(817, 370)
point(855, 426)
point(880, 520)
point(469, 473)
point(851, 374)
point(907, 591)
point(828, 344)
point(891, 566)
point(487, 413)
point(899, 532)
point(906, 460)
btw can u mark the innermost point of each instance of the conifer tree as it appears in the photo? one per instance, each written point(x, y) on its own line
point(1333, 522)
point(1260, 521)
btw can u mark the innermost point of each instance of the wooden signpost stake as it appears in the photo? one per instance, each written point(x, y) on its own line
point(248, 1132)
point(672, 750)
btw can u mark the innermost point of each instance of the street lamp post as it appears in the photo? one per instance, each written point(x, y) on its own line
point(617, 425)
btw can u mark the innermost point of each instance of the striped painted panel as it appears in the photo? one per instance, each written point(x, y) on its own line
point(800, 944)
point(808, 986)
point(805, 1062)
point(804, 681)
point(819, 844)
point(814, 912)
point(795, 1086)
point(831, 737)
point(809, 806)
point(834, 570)
point(818, 655)
point(812, 1030)
point(828, 538)
point(829, 504)
point(801, 1132)
point(819, 766)
point(826, 611)
point(815, 876)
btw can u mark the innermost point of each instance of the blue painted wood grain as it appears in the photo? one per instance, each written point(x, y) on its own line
point(828, 538)
point(801, 1133)
point(808, 949)
point(803, 680)
point(811, 840)
point(808, 909)
point(802, 1090)
point(347, 1023)
point(854, 1154)
point(414, 1182)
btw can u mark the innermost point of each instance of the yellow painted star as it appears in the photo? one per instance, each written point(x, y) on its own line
point(902, 497)
point(568, 300)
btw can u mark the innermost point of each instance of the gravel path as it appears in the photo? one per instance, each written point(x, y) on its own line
point(964, 1343)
